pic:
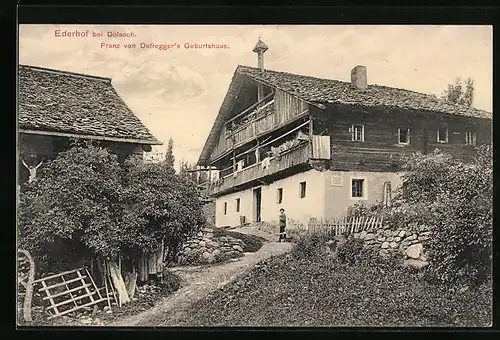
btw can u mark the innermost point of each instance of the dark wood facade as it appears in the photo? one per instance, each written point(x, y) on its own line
point(380, 150)
point(330, 135)
point(34, 148)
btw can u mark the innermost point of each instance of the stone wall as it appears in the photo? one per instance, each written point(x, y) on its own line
point(408, 242)
point(206, 248)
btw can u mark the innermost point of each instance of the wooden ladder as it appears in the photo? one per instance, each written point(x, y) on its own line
point(70, 291)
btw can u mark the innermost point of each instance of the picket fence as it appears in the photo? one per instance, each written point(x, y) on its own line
point(345, 225)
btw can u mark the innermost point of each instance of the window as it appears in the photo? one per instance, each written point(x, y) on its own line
point(237, 205)
point(470, 138)
point(280, 195)
point(357, 188)
point(302, 189)
point(404, 136)
point(225, 208)
point(442, 135)
point(358, 133)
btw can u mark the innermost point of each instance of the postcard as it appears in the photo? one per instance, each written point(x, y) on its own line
point(254, 175)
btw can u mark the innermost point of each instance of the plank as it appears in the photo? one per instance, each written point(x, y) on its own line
point(82, 277)
point(76, 308)
point(58, 284)
point(50, 298)
point(65, 292)
point(69, 291)
point(56, 275)
point(93, 283)
point(62, 303)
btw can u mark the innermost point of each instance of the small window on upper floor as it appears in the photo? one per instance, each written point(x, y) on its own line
point(237, 205)
point(302, 189)
point(404, 136)
point(225, 208)
point(358, 133)
point(470, 138)
point(442, 135)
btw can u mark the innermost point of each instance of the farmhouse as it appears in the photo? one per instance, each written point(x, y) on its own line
point(57, 106)
point(317, 146)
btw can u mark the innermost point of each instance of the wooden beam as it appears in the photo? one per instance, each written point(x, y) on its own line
point(228, 151)
point(82, 136)
point(249, 108)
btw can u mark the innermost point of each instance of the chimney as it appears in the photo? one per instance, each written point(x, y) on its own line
point(358, 77)
point(260, 48)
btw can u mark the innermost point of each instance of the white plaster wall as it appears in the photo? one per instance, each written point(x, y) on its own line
point(300, 209)
point(338, 198)
point(323, 200)
point(232, 217)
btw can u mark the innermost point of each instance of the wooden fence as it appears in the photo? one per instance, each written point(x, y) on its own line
point(345, 225)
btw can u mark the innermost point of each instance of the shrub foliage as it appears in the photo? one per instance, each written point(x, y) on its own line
point(454, 199)
point(86, 200)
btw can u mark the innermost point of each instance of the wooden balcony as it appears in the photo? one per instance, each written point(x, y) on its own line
point(318, 149)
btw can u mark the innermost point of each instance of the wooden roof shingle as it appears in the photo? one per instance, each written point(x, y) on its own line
point(53, 101)
point(320, 92)
point(328, 91)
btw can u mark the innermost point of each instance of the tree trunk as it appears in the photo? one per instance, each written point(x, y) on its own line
point(118, 283)
point(29, 286)
point(130, 283)
point(143, 270)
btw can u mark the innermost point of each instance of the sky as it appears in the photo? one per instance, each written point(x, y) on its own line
point(177, 92)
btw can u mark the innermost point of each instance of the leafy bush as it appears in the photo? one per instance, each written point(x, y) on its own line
point(170, 281)
point(311, 245)
point(350, 251)
point(77, 196)
point(85, 200)
point(453, 198)
point(162, 204)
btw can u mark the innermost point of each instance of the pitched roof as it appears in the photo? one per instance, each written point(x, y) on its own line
point(53, 101)
point(318, 92)
point(328, 91)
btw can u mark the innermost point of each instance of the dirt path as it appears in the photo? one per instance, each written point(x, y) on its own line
point(200, 281)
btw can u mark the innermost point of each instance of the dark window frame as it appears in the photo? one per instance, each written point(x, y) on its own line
point(357, 190)
point(406, 133)
point(302, 189)
point(279, 197)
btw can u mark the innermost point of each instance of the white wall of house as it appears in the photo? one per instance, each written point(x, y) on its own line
point(296, 207)
point(338, 189)
point(232, 217)
point(328, 194)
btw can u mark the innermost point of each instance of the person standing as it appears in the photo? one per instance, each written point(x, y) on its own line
point(282, 224)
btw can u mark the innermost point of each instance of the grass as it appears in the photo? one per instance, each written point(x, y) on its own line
point(252, 243)
point(318, 291)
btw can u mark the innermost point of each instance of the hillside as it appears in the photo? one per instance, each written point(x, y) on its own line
point(291, 291)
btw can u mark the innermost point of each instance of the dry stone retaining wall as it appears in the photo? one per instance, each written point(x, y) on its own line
point(409, 241)
point(206, 248)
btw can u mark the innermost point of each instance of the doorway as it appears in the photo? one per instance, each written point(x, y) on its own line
point(257, 204)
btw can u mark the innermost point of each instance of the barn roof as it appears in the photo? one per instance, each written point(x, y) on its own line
point(320, 92)
point(78, 105)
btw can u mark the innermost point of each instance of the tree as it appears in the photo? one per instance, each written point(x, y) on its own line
point(164, 205)
point(461, 92)
point(77, 197)
point(84, 201)
point(169, 156)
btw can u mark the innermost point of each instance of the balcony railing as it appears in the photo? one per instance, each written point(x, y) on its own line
point(318, 148)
